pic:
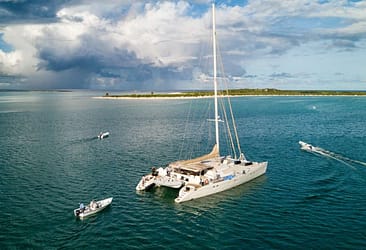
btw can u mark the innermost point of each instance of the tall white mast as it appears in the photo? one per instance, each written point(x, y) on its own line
point(215, 76)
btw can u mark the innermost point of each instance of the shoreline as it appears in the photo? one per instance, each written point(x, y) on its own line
point(233, 93)
point(203, 97)
point(150, 98)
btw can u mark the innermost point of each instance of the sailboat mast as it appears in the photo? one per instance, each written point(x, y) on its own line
point(215, 77)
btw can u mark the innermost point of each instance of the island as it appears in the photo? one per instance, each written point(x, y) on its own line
point(240, 92)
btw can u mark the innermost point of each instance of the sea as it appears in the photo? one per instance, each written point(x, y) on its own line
point(51, 160)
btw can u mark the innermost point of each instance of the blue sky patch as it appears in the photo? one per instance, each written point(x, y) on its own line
point(4, 46)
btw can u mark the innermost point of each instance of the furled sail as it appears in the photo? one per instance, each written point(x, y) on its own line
point(214, 154)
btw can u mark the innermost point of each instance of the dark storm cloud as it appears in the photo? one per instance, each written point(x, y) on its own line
point(139, 44)
point(81, 61)
point(9, 79)
point(28, 10)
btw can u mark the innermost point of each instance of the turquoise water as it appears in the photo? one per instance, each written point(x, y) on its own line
point(50, 160)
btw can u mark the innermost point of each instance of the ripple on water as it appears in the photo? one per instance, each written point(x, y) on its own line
point(52, 162)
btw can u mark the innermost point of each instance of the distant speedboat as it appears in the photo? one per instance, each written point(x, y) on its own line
point(103, 135)
point(306, 146)
point(92, 208)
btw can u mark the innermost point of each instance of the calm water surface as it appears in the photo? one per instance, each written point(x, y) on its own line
point(50, 160)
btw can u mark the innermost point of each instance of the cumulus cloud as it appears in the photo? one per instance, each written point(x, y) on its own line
point(9, 62)
point(129, 48)
point(161, 44)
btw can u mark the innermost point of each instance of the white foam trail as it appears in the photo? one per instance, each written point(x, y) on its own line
point(349, 159)
point(337, 159)
point(335, 156)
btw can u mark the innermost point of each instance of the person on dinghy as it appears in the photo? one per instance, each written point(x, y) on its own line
point(82, 207)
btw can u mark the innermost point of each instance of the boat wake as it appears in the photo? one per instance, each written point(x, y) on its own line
point(82, 141)
point(89, 139)
point(338, 157)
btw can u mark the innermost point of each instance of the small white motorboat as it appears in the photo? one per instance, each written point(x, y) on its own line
point(306, 146)
point(103, 135)
point(92, 208)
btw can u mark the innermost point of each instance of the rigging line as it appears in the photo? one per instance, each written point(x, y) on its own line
point(194, 131)
point(229, 101)
point(203, 64)
point(185, 129)
point(230, 139)
point(198, 129)
point(209, 130)
point(234, 127)
point(200, 143)
point(232, 116)
point(208, 146)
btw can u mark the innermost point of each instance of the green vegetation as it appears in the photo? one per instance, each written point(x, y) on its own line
point(244, 92)
point(292, 92)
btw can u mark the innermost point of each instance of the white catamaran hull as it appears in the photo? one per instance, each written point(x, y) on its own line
point(150, 181)
point(242, 175)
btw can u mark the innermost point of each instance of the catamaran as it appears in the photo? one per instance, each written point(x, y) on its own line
point(208, 174)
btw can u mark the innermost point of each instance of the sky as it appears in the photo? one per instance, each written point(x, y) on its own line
point(165, 45)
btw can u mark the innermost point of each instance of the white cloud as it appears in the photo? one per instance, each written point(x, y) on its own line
point(9, 62)
point(112, 43)
point(163, 35)
point(21, 38)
